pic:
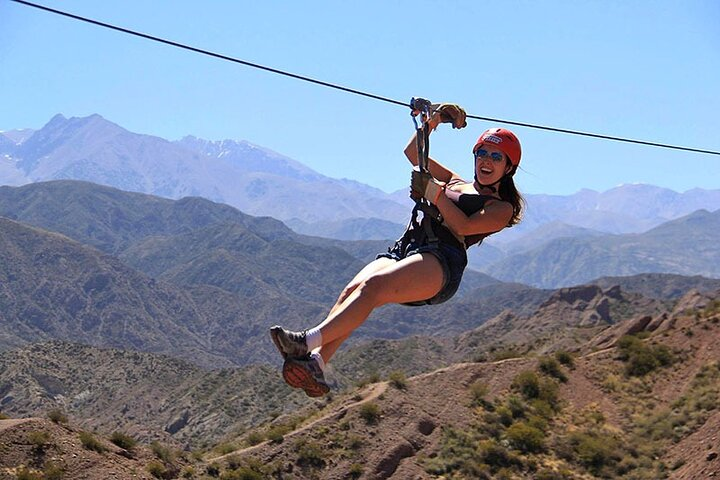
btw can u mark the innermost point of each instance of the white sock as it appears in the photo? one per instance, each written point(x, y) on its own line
point(313, 338)
point(319, 359)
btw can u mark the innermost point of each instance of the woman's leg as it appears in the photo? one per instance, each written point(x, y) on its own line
point(372, 267)
point(328, 350)
point(417, 277)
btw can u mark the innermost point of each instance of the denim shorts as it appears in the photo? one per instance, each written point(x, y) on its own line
point(453, 260)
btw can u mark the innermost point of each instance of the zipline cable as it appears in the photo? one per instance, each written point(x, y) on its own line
point(346, 89)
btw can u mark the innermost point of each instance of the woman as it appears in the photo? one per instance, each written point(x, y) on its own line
point(424, 266)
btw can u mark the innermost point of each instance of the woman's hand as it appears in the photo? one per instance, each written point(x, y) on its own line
point(452, 113)
point(435, 120)
point(422, 184)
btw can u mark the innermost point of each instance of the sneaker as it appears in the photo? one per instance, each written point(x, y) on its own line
point(305, 373)
point(291, 344)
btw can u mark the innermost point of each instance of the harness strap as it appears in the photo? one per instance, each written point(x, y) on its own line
point(422, 141)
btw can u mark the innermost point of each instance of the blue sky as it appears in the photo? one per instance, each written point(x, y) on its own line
point(641, 69)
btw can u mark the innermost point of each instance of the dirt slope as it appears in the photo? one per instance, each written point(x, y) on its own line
point(38, 445)
point(409, 423)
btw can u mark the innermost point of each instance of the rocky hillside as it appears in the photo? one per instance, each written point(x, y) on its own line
point(148, 396)
point(223, 275)
point(571, 261)
point(536, 406)
point(647, 407)
point(565, 319)
point(39, 448)
point(54, 288)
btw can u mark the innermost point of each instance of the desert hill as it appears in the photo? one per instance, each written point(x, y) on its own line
point(663, 249)
point(618, 407)
point(39, 448)
point(149, 396)
point(660, 285)
point(54, 288)
point(607, 414)
point(227, 270)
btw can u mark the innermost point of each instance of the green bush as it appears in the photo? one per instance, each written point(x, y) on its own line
point(594, 450)
point(370, 412)
point(526, 438)
point(39, 440)
point(222, 449)
point(505, 415)
point(551, 366)
point(478, 391)
point(397, 379)
point(244, 473)
point(53, 472)
point(550, 393)
point(518, 408)
point(309, 454)
point(277, 433)
point(505, 354)
point(642, 358)
point(373, 377)
point(255, 438)
point(562, 474)
point(663, 355)
point(162, 452)
point(497, 456)
point(57, 416)
point(89, 441)
point(25, 474)
point(527, 383)
point(566, 358)
point(157, 469)
point(641, 363)
point(356, 470)
point(123, 440)
point(355, 442)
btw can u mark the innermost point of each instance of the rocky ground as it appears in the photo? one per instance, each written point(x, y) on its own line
point(661, 424)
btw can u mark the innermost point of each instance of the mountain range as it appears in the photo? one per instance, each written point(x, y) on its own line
point(689, 245)
point(141, 281)
point(208, 278)
point(264, 183)
point(258, 181)
point(137, 313)
point(231, 272)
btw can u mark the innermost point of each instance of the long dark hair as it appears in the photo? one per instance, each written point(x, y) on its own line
point(509, 193)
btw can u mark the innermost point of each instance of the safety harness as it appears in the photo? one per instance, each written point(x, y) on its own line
point(424, 108)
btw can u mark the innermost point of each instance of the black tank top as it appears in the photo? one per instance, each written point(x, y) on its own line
point(469, 203)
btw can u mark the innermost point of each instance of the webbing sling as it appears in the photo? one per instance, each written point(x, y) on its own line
point(422, 141)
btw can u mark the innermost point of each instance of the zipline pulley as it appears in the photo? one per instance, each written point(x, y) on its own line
point(423, 108)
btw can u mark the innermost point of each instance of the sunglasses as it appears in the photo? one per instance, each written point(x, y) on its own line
point(496, 157)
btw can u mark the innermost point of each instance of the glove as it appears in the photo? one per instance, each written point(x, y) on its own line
point(422, 184)
point(452, 113)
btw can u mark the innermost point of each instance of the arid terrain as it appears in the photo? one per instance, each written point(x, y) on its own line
point(640, 406)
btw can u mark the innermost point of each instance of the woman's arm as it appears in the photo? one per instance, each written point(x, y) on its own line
point(495, 216)
point(437, 170)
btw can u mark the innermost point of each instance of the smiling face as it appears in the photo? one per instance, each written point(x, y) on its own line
point(491, 164)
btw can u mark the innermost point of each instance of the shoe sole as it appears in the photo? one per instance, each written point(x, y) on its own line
point(273, 334)
point(297, 376)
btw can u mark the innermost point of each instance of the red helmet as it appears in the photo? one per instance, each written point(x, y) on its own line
point(503, 139)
